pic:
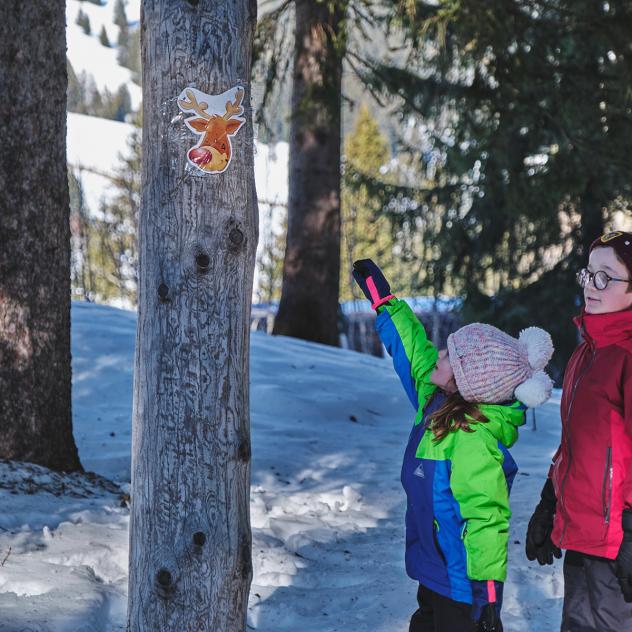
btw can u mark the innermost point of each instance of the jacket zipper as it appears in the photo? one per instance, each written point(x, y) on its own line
point(568, 440)
point(606, 489)
point(435, 537)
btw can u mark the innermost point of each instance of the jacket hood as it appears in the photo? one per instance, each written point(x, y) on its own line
point(504, 420)
point(601, 330)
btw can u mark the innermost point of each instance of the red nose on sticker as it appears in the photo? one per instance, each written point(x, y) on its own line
point(200, 156)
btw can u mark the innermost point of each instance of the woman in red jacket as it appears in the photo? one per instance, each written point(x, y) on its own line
point(586, 502)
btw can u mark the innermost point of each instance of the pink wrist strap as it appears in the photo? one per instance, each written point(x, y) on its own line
point(491, 591)
point(386, 299)
point(376, 299)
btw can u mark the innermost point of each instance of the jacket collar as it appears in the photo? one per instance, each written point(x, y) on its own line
point(504, 420)
point(601, 330)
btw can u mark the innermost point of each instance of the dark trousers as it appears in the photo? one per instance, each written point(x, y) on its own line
point(437, 613)
point(592, 598)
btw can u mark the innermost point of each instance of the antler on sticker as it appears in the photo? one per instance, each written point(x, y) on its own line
point(234, 109)
point(192, 104)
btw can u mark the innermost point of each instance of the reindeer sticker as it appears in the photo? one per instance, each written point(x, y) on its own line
point(216, 118)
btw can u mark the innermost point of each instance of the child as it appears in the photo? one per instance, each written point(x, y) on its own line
point(457, 471)
point(586, 502)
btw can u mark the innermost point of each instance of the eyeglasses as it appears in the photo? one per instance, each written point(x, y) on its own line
point(600, 279)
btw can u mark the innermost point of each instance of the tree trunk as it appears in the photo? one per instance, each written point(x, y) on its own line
point(35, 373)
point(190, 542)
point(311, 270)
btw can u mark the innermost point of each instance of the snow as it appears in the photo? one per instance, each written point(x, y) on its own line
point(442, 304)
point(94, 147)
point(132, 8)
point(87, 54)
point(328, 432)
point(271, 173)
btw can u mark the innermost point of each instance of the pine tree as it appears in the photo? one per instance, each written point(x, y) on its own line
point(75, 94)
point(526, 105)
point(272, 250)
point(123, 39)
point(120, 16)
point(129, 51)
point(112, 235)
point(103, 37)
point(82, 270)
point(113, 106)
point(94, 98)
point(122, 42)
point(104, 244)
point(365, 233)
point(84, 22)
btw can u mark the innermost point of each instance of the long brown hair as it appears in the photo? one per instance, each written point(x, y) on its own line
point(455, 414)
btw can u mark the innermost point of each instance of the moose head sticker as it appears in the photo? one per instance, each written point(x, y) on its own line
point(215, 119)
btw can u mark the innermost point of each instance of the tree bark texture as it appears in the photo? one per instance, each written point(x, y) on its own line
point(311, 269)
point(35, 373)
point(190, 541)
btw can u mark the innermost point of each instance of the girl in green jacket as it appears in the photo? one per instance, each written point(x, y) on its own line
point(469, 400)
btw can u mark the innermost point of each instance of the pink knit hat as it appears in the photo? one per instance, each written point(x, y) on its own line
point(490, 366)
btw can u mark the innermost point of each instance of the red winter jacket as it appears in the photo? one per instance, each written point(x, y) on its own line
point(592, 469)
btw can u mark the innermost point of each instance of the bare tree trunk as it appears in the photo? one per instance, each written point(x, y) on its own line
point(311, 270)
point(190, 541)
point(35, 373)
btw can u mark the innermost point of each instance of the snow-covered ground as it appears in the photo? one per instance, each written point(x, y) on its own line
point(328, 432)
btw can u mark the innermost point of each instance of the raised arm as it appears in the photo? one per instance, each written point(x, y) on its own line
point(405, 339)
point(414, 356)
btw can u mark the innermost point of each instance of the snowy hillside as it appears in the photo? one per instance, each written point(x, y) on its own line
point(95, 168)
point(328, 433)
point(87, 54)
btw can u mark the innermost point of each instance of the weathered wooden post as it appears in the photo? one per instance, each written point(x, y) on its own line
point(190, 557)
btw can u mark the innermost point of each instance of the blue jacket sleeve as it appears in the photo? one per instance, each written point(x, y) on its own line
point(414, 356)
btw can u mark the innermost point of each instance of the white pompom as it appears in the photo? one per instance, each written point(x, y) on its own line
point(538, 345)
point(535, 391)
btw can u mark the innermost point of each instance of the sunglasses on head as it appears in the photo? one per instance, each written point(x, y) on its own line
point(599, 279)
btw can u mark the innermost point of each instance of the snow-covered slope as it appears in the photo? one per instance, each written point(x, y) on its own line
point(87, 54)
point(328, 433)
point(94, 147)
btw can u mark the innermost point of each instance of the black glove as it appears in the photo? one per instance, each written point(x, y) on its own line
point(372, 282)
point(623, 567)
point(489, 621)
point(539, 545)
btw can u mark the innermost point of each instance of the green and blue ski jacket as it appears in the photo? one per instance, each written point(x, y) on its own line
point(457, 490)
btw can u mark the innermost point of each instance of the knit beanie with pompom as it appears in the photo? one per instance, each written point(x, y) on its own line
point(491, 366)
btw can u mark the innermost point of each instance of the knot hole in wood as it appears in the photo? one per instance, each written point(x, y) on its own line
point(203, 262)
